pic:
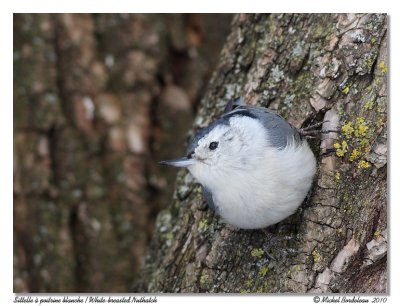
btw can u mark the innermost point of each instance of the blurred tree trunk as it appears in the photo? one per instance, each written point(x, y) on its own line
point(94, 98)
point(309, 68)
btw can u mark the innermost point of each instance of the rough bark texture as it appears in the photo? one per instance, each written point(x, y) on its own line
point(96, 98)
point(309, 68)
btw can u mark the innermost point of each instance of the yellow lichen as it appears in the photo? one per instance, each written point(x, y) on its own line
point(203, 278)
point(365, 145)
point(346, 90)
point(249, 283)
point(369, 105)
point(319, 31)
point(169, 236)
point(316, 256)
point(337, 176)
point(339, 152)
point(362, 164)
point(361, 130)
point(355, 141)
point(383, 67)
point(203, 224)
point(377, 234)
point(348, 129)
point(263, 271)
point(257, 253)
point(355, 154)
point(340, 149)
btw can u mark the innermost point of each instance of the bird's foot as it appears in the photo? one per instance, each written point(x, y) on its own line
point(312, 131)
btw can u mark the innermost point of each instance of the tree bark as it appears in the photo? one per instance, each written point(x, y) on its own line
point(94, 98)
point(309, 68)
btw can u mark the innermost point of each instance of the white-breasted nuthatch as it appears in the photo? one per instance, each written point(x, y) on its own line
point(255, 168)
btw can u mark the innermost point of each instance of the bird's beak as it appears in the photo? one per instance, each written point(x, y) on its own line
point(179, 162)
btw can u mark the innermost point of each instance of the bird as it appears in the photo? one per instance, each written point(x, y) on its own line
point(255, 168)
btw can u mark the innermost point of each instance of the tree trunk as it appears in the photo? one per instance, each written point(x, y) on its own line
point(94, 95)
point(309, 68)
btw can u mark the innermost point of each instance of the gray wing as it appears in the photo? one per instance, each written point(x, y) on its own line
point(208, 197)
point(233, 104)
point(280, 131)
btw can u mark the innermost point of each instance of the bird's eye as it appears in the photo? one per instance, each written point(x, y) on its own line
point(213, 145)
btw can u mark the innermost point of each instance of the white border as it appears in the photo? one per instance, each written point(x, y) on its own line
point(200, 6)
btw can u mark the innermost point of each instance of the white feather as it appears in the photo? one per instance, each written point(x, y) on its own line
point(253, 184)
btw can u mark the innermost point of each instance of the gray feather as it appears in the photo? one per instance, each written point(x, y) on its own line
point(279, 130)
point(208, 197)
point(231, 105)
point(200, 134)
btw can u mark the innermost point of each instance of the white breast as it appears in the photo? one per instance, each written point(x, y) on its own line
point(268, 193)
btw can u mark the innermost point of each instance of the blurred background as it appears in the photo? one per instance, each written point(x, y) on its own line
point(98, 100)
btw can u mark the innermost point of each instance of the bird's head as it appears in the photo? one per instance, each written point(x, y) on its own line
point(225, 146)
